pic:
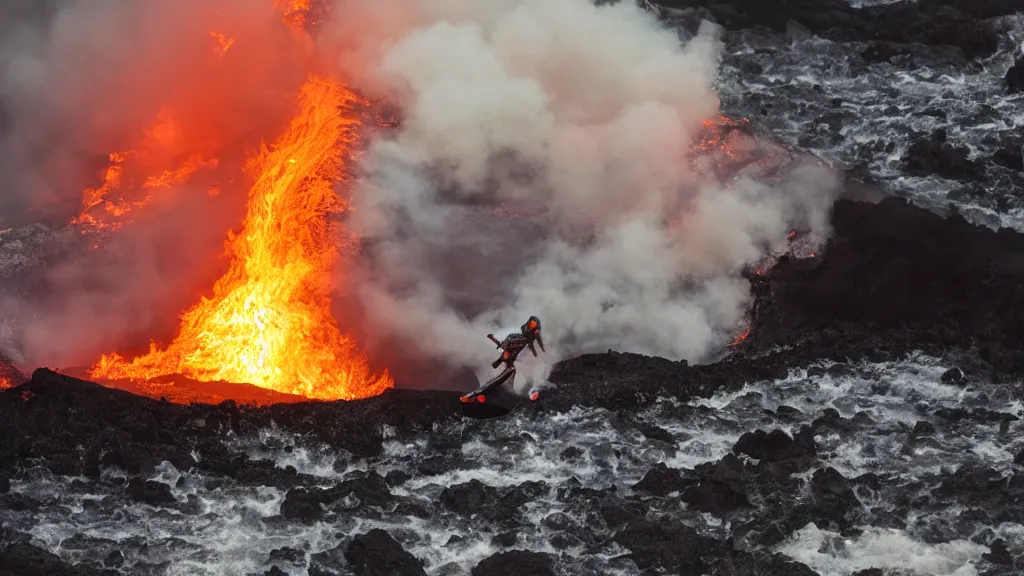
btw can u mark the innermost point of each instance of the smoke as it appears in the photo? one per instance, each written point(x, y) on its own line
point(545, 165)
point(82, 79)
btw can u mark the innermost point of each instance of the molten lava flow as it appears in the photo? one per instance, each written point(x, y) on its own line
point(106, 206)
point(222, 42)
point(740, 338)
point(5, 383)
point(296, 13)
point(269, 322)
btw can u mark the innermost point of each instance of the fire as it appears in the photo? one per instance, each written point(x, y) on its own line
point(222, 42)
point(269, 322)
point(106, 206)
point(296, 13)
point(5, 383)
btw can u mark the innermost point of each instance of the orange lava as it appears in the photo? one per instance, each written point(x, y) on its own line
point(296, 13)
point(107, 206)
point(740, 338)
point(269, 322)
point(5, 383)
point(222, 42)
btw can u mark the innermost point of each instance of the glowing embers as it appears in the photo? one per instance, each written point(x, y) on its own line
point(300, 14)
point(796, 246)
point(268, 322)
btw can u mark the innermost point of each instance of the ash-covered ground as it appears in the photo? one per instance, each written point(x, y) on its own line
point(869, 424)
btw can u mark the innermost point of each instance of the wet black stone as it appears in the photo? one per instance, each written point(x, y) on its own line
point(953, 376)
point(869, 572)
point(923, 428)
point(662, 480)
point(287, 555)
point(934, 155)
point(571, 453)
point(396, 478)
point(114, 560)
point(24, 559)
point(377, 553)
point(998, 554)
point(666, 544)
point(150, 492)
point(774, 446)
point(468, 498)
point(505, 539)
point(516, 563)
point(721, 487)
point(788, 413)
point(833, 491)
point(655, 432)
point(1015, 77)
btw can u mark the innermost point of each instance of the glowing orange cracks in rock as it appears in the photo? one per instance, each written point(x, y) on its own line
point(268, 322)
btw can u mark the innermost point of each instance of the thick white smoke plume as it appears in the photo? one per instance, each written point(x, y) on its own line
point(585, 115)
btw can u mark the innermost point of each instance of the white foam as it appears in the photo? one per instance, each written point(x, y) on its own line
point(830, 554)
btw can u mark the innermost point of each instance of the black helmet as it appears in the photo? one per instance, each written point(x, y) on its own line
point(532, 325)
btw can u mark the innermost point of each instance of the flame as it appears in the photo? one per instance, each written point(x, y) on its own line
point(106, 206)
point(295, 13)
point(5, 383)
point(269, 322)
point(223, 43)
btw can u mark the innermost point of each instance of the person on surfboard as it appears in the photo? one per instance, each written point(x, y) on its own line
point(514, 343)
point(511, 346)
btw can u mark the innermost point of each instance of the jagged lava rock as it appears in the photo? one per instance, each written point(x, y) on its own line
point(377, 553)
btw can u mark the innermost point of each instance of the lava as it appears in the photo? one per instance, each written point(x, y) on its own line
point(740, 338)
point(106, 206)
point(269, 322)
point(5, 383)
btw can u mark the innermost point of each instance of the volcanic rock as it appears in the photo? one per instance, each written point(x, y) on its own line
point(662, 480)
point(941, 23)
point(952, 376)
point(833, 493)
point(468, 498)
point(24, 559)
point(670, 545)
point(998, 554)
point(721, 487)
point(1010, 154)
point(944, 281)
point(935, 155)
point(923, 428)
point(516, 563)
point(376, 553)
point(114, 560)
point(1015, 77)
point(310, 504)
point(150, 492)
point(774, 446)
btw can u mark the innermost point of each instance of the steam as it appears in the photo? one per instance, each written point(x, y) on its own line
point(587, 114)
point(544, 166)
